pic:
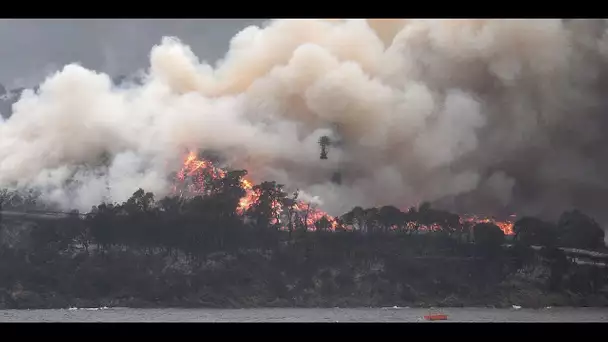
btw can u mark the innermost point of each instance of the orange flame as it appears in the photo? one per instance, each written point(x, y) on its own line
point(194, 173)
point(505, 226)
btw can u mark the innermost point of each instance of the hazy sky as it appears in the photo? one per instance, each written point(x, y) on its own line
point(31, 48)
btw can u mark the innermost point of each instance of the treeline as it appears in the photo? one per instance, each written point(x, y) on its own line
point(216, 221)
point(211, 250)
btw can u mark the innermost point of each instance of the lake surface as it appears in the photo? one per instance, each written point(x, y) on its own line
point(304, 315)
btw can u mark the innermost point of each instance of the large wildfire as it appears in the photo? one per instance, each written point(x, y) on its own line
point(474, 116)
point(193, 176)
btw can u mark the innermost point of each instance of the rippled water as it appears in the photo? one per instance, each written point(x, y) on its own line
point(304, 315)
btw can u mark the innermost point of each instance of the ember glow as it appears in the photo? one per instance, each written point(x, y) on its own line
point(195, 174)
point(506, 226)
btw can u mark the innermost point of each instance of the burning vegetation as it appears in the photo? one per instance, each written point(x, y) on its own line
point(220, 240)
point(425, 96)
point(200, 177)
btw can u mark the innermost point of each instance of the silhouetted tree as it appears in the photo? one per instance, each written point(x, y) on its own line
point(323, 224)
point(140, 224)
point(172, 219)
point(357, 218)
point(301, 217)
point(103, 222)
point(488, 235)
point(391, 218)
point(533, 231)
point(265, 208)
point(578, 230)
point(488, 241)
point(445, 221)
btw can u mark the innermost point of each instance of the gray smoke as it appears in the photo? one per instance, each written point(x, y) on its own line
point(496, 116)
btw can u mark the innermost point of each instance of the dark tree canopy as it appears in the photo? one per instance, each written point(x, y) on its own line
point(446, 221)
point(533, 231)
point(323, 224)
point(488, 234)
point(264, 209)
point(578, 230)
point(391, 217)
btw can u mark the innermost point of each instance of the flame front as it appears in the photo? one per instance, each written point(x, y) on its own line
point(194, 173)
point(506, 226)
point(192, 179)
point(249, 198)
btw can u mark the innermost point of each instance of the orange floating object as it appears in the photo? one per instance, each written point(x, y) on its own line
point(440, 317)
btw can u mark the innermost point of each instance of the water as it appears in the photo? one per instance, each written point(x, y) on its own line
point(304, 315)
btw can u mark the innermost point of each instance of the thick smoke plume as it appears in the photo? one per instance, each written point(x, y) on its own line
point(476, 115)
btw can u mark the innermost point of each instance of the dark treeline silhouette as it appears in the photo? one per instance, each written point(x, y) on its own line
point(206, 251)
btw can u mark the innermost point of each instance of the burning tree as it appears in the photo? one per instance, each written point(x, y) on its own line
point(266, 209)
point(266, 203)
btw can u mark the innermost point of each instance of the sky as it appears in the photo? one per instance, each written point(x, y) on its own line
point(33, 48)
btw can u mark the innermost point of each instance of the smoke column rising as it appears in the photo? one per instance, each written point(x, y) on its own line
point(475, 115)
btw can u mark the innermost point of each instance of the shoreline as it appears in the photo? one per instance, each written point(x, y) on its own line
point(439, 308)
point(58, 303)
point(262, 279)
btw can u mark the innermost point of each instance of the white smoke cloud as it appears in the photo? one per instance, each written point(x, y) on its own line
point(423, 110)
